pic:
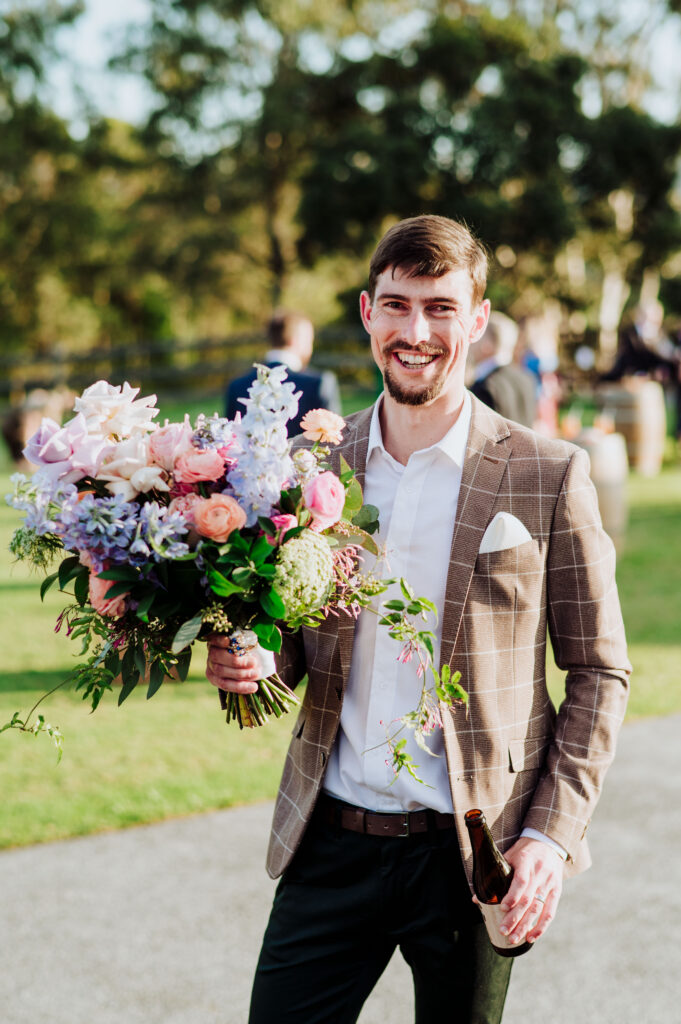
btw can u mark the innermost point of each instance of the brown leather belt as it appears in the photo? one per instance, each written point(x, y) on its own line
point(376, 823)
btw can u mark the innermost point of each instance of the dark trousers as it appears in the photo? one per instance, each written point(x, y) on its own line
point(344, 904)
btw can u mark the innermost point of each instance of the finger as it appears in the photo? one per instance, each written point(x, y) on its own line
point(227, 677)
point(219, 656)
point(546, 916)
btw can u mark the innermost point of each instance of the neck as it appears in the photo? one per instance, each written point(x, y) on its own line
point(406, 429)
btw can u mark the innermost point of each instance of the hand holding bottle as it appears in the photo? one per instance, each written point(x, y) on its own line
point(531, 901)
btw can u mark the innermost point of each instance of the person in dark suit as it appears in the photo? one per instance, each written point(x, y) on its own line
point(497, 381)
point(291, 337)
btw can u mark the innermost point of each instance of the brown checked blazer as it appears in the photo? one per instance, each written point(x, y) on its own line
point(508, 752)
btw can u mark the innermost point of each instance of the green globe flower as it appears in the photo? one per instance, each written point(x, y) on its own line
point(304, 576)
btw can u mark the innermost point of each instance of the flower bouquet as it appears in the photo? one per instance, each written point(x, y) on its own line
point(168, 534)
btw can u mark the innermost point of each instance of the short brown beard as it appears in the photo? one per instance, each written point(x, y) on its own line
point(404, 397)
point(400, 394)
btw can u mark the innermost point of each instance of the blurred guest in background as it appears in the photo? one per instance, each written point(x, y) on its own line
point(291, 338)
point(643, 348)
point(500, 383)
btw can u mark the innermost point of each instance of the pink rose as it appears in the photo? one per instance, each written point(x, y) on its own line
point(324, 496)
point(184, 504)
point(66, 453)
point(283, 524)
point(113, 607)
point(169, 442)
point(198, 465)
point(218, 516)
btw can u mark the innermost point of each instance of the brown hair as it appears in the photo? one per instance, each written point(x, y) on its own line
point(430, 246)
point(282, 327)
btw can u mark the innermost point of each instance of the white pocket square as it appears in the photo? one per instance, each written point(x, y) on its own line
point(505, 531)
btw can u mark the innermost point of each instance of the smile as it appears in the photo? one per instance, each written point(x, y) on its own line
point(414, 359)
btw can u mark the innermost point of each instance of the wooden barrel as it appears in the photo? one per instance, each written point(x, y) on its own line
point(638, 410)
point(609, 470)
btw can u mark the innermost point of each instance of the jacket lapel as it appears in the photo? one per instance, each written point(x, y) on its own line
point(483, 471)
point(354, 449)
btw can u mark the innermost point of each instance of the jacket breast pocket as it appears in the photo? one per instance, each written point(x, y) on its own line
point(521, 559)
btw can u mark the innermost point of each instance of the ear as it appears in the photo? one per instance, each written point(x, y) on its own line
point(480, 321)
point(365, 310)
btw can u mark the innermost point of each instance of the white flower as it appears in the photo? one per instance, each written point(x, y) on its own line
point(127, 469)
point(113, 411)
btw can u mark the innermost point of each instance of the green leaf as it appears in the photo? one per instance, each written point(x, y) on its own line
point(271, 602)
point(140, 659)
point(345, 466)
point(186, 634)
point(120, 573)
point(221, 586)
point(81, 587)
point(67, 570)
point(47, 583)
point(129, 683)
point(367, 518)
point(266, 524)
point(116, 589)
point(261, 551)
point(156, 677)
point(184, 659)
point(427, 641)
point(268, 635)
point(242, 577)
point(394, 605)
point(407, 590)
point(353, 499)
point(128, 661)
point(144, 605)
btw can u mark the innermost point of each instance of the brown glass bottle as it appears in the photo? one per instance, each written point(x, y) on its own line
point(492, 876)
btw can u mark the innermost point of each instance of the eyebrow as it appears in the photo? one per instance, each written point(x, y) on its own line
point(405, 298)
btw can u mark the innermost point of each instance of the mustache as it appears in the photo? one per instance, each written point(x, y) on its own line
point(416, 350)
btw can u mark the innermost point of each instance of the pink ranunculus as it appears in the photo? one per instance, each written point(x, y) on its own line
point(66, 453)
point(169, 442)
point(184, 505)
point(324, 496)
point(199, 465)
point(322, 425)
point(283, 524)
point(218, 516)
point(112, 607)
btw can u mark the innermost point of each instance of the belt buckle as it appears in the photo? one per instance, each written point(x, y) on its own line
point(405, 826)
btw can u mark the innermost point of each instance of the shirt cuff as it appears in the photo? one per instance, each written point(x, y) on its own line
point(532, 833)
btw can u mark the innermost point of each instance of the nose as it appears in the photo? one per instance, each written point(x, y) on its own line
point(417, 328)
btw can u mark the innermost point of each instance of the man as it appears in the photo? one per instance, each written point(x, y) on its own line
point(370, 862)
point(508, 389)
point(291, 338)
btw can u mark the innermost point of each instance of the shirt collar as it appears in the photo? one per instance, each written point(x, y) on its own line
point(285, 356)
point(453, 444)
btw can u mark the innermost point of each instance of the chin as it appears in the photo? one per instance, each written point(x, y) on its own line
point(403, 396)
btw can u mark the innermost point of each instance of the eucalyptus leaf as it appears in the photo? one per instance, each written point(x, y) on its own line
point(186, 634)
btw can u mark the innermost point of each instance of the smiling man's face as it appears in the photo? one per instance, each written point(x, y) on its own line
point(420, 329)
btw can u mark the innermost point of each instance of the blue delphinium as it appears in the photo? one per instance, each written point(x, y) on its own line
point(105, 527)
point(43, 499)
point(157, 535)
point(261, 443)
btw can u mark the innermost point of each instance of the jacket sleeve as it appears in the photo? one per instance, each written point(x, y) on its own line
point(587, 635)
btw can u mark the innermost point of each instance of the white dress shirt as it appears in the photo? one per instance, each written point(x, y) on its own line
point(417, 509)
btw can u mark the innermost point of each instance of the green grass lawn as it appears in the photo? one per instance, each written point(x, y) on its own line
point(174, 755)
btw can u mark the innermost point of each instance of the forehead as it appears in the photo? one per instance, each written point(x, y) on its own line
point(455, 285)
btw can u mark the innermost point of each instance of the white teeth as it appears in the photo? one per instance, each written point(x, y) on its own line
point(414, 360)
